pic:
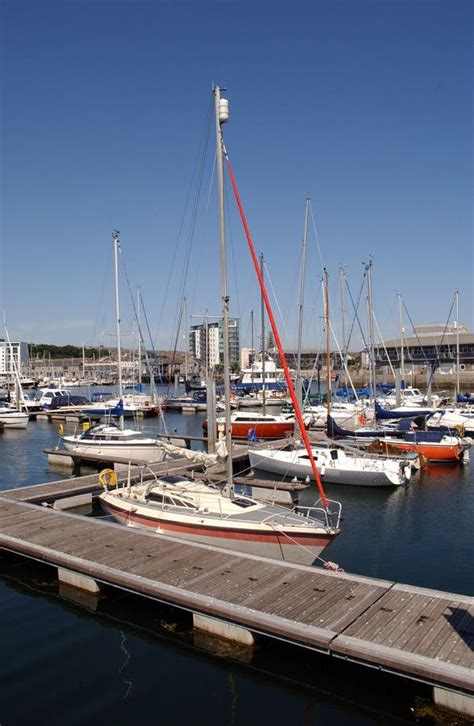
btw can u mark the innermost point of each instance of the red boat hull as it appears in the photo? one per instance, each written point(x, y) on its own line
point(267, 430)
point(433, 452)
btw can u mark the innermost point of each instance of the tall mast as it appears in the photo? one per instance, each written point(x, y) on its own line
point(402, 342)
point(457, 345)
point(370, 329)
point(262, 314)
point(328, 343)
point(222, 116)
point(299, 380)
point(139, 338)
point(116, 240)
point(342, 280)
point(186, 344)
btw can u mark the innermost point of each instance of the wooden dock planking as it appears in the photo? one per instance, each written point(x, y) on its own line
point(411, 638)
point(462, 640)
point(53, 490)
point(418, 629)
point(418, 633)
point(73, 485)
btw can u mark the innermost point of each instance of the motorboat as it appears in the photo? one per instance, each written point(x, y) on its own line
point(47, 395)
point(409, 397)
point(255, 377)
point(198, 511)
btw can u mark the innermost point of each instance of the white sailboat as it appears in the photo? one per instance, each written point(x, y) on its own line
point(336, 464)
point(198, 511)
point(111, 442)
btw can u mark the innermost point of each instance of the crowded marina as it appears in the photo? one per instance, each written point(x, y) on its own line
point(304, 474)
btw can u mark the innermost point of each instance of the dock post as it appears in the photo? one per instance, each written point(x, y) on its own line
point(74, 579)
point(223, 629)
point(211, 414)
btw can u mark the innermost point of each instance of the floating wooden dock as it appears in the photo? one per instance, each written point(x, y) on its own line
point(414, 632)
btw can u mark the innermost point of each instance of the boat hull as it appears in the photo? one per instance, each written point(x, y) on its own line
point(270, 430)
point(431, 451)
point(14, 420)
point(329, 474)
point(303, 550)
point(133, 453)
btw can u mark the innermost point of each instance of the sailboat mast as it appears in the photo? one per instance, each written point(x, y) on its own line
point(402, 342)
point(271, 317)
point(139, 338)
point(262, 314)
point(370, 326)
point(342, 280)
point(328, 342)
point(299, 380)
point(186, 345)
point(116, 240)
point(222, 116)
point(457, 345)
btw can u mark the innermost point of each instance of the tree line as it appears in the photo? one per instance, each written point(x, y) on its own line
point(45, 350)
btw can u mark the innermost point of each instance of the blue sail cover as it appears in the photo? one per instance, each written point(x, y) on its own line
point(335, 431)
point(386, 414)
point(431, 436)
point(465, 399)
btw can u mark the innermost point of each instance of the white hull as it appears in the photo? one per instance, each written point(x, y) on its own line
point(14, 419)
point(349, 470)
point(278, 548)
point(139, 453)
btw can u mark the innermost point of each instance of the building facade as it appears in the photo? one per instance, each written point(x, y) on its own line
point(13, 355)
point(431, 345)
point(206, 343)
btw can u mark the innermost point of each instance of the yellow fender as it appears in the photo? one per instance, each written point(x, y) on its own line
point(460, 429)
point(107, 478)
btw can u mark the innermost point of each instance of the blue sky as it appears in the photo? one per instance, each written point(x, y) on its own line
point(365, 106)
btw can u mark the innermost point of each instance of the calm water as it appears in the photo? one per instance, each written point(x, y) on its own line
point(123, 659)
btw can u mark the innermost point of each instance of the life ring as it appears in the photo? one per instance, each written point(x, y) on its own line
point(107, 478)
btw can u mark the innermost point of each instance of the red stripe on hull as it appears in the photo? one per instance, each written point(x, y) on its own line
point(274, 538)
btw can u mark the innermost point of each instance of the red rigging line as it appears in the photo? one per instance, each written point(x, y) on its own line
point(286, 370)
